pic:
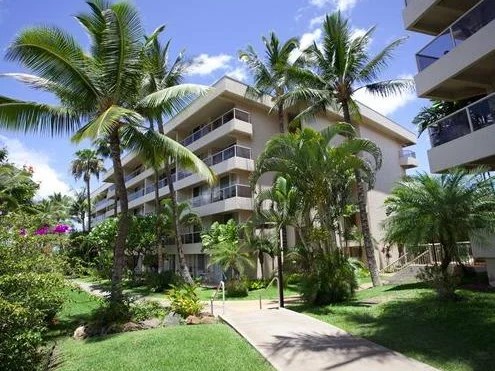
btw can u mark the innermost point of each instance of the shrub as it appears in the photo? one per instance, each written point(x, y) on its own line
point(332, 280)
point(256, 284)
point(293, 278)
point(444, 283)
point(184, 300)
point(159, 282)
point(147, 309)
point(236, 289)
point(21, 331)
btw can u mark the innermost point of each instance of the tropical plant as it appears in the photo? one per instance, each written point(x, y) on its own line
point(340, 67)
point(78, 209)
point(271, 74)
point(221, 243)
point(184, 300)
point(256, 239)
point(54, 209)
point(445, 208)
point(99, 94)
point(86, 164)
point(176, 221)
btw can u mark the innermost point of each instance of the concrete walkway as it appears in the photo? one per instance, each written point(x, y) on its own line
point(294, 341)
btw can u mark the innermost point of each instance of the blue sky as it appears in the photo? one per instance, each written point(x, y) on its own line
point(211, 32)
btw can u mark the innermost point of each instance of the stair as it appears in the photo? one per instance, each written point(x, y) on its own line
point(406, 275)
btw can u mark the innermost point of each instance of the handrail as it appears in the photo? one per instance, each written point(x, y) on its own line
point(222, 286)
point(410, 262)
point(267, 286)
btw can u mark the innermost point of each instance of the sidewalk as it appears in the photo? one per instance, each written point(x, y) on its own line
point(294, 341)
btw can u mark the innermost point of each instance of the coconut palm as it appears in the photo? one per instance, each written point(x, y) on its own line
point(443, 208)
point(78, 209)
point(86, 164)
point(257, 241)
point(175, 223)
point(99, 95)
point(271, 74)
point(341, 66)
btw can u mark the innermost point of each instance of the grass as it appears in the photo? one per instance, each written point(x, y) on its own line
point(453, 336)
point(270, 293)
point(205, 347)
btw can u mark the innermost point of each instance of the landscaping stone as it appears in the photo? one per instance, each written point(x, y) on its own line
point(132, 326)
point(193, 320)
point(150, 323)
point(208, 320)
point(172, 319)
point(80, 333)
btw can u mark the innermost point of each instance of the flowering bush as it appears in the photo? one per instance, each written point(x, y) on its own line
point(58, 229)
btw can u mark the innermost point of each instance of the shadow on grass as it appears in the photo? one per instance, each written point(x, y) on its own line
point(449, 335)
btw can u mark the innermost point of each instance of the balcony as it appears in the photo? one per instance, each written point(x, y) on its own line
point(236, 190)
point(102, 204)
point(407, 159)
point(230, 152)
point(464, 138)
point(457, 33)
point(187, 238)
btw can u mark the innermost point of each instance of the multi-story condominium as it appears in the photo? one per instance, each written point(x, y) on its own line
point(229, 131)
point(457, 64)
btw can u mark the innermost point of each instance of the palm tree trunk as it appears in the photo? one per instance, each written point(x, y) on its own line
point(123, 222)
point(184, 269)
point(281, 121)
point(261, 258)
point(88, 198)
point(363, 215)
point(159, 246)
point(280, 269)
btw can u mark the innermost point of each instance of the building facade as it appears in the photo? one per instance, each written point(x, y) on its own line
point(457, 64)
point(229, 131)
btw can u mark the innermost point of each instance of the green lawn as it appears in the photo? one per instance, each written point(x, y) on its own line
point(204, 347)
point(408, 318)
point(269, 293)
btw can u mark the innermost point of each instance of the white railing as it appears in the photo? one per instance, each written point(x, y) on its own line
point(221, 285)
point(407, 153)
point(236, 190)
point(215, 124)
point(278, 291)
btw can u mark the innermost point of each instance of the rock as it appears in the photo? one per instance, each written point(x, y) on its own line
point(80, 333)
point(151, 323)
point(206, 314)
point(208, 320)
point(172, 319)
point(193, 320)
point(131, 326)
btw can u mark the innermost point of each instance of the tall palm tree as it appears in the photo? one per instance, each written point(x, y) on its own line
point(86, 164)
point(99, 95)
point(175, 223)
point(341, 66)
point(271, 74)
point(78, 209)
point(283, 211)
point(445, 208)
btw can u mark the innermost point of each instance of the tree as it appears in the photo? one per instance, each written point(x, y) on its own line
point(256, 240)
point(78, 209)
point(340, 67)
point(99, 95)
point(86, 164)
point(272, 73)
point(443, 208)
point(175, 222)
point(54, 209)
point(222, 244)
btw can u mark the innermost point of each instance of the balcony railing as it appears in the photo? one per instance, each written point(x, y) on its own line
point(215, 124)
point(133, 174)
point(98, 218)
point(407, 153)
point(466, 26)
point(227, 153)
point(187, 238)
point(135, 195)
point(236, 190)
point(464, 121)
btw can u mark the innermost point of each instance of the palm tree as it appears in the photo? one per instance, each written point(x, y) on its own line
point(55, 209)
point(175, 223)
point(78, 209)
point(99, 95)
point(257, 241)
point(341, 66)
point(272, 73)
point(283, 211)
point(222, 244)
point(86, 164)
point(445, 208)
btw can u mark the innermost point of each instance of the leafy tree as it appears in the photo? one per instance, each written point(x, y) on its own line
point(176, 219)
point(271, 74)
point(86, 164)
point(340, 67)
point(222, 244)
point(440, 208)
point(99, 95)
point(54, 209)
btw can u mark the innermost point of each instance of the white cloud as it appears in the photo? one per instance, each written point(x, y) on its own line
point(316, 21)
point(238, 73)
point(342, 5)
point(308, 38)
point(385, 106)
point(358, 32)
point(47, 177)
point(205, 64)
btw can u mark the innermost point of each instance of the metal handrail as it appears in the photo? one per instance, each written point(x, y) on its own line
point(267, 286)
point(222, 286)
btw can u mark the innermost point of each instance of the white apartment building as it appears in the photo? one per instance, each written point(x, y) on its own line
point(229, 131)
point(458, 63)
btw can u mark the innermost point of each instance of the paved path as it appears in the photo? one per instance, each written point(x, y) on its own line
point(294, 341)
